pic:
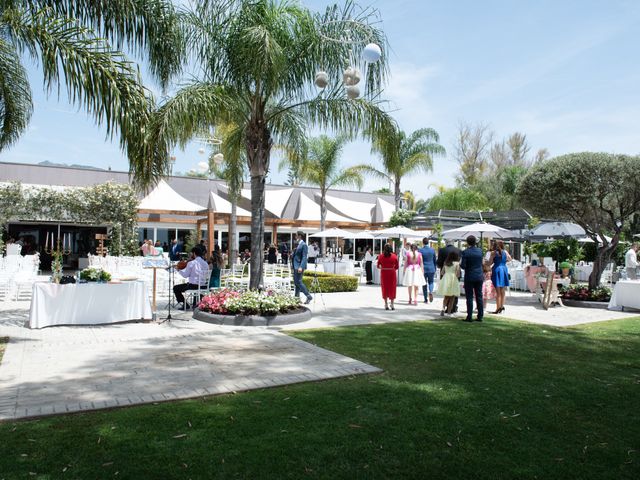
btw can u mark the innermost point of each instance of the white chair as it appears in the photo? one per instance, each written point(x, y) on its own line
point(195, 295)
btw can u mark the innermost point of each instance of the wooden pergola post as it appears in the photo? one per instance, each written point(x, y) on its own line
point(210, 232)
point(274, 234)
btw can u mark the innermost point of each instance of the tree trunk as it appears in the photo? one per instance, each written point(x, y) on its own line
point(603, 257)
point(323, 219)
point(233, 227)
point(397, 192)
point(258, 146)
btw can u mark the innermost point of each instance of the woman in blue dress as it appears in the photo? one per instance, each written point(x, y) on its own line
point(500, 276)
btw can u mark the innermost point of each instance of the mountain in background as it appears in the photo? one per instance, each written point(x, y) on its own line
point(47, 163)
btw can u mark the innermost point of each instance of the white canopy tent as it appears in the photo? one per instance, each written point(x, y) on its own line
point(310, 211)
point(163, 198)
point(275, 201)
point(220, 205)
point(357, 210)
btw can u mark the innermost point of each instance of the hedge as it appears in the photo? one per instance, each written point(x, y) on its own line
point(330, 283)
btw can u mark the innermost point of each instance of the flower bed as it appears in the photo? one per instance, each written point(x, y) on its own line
point(582, 293)
point(251, 308)
point(330, 282)
point(233, 302)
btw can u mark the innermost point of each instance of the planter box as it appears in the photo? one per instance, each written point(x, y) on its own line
point(585, 304)
point(254, 320)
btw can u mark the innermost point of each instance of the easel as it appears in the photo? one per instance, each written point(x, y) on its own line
point(155, 264)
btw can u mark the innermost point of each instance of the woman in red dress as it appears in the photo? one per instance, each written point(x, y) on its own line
point(388, 266)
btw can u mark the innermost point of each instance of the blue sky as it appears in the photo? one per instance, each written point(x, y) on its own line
point(565, 73)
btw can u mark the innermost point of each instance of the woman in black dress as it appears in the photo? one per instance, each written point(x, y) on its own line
point(272, 254)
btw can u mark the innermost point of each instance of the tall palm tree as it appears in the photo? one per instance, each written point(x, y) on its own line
point(321, 167)
point(403, 156)
point(70, 40)
point(232, 172)
point(255, 65)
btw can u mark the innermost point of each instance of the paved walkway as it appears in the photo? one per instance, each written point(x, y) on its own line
point(67, 369)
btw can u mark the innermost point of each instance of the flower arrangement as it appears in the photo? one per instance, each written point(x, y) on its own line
point(582, 293)
point(93, 274)
point(56, 267)
point(252, 302)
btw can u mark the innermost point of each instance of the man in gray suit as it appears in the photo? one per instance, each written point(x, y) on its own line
point(299, 259)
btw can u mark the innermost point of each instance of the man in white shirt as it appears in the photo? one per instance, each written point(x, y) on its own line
point(196, 272)
point(631, 262)
point(313, 252)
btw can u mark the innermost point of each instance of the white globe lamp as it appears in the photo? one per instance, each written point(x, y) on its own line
point(218, 158)
point(203, 166)
point(372, 53)
point(353, 92)
point(322, 79)
point(201, 151)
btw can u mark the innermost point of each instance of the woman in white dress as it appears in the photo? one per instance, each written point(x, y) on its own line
point(413, 273)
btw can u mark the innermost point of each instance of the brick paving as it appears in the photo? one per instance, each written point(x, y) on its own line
point(70, 369)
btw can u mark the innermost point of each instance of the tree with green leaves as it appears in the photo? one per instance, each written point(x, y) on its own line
point(458, 198)
point(404, 155)
point(598, 191)
point(254, 65)
point(71, 41)
point(321, 167)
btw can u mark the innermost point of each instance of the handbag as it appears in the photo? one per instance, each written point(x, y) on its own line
point(66, 279)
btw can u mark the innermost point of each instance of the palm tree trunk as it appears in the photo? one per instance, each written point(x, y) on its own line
point(233, 227)
point(258, 154)
point(397, 192)
point(323, 219)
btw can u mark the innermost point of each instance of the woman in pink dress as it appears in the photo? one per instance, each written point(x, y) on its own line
point(413, 273)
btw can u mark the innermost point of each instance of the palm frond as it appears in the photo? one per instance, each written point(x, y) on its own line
point(16, 105)
point(150, 26)
point(351, 177)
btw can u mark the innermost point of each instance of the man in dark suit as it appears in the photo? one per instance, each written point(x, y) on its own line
point(299, 260)
point(442, 257)
point(429, 264)
point(471, 263)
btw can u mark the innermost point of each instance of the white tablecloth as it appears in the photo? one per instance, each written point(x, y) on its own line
point(582, 272)
point(87, 303)
point(626, 294)
point(340, 268)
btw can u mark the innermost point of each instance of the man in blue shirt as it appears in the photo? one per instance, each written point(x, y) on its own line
point(471, 263)
point(299, 260)
point(429, 264)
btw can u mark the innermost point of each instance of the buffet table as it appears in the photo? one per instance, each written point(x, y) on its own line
point(88, 303)
point(626, 294)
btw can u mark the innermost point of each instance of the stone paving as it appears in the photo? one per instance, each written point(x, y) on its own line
point(68, 369)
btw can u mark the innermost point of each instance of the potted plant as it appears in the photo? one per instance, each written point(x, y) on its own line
point(565, 267)
point(92, 274)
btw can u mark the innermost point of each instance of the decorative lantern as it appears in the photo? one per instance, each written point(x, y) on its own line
point(201, 151)
point(203, 166)
point(218, 158)
point(353, 92)
point(322, 79)
point(351, 76)
point(372, 53)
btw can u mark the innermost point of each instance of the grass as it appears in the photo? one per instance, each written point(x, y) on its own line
point(497, 400)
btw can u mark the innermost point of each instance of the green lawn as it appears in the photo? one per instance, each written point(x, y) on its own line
point(496, 400)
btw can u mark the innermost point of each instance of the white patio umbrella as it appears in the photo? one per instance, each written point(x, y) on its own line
point(363, 235)
point(478, 229)
point(395, 232)
point(333, 233)
point(558, 230)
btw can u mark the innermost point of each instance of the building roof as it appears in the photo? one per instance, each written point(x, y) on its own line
point(281, 201)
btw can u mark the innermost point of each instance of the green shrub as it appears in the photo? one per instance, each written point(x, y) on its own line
point(330, 283)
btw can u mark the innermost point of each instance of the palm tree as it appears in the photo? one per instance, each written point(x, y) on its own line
point(255, 65)
point(459, 198)
point(402, 155)
point(321, 167)
point(70, 40)
point(232, 172)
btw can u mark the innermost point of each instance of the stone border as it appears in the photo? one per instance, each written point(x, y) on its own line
point(253, 320)
point(586, 304)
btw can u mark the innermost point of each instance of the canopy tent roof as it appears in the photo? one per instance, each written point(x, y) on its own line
point(275, 201)
point(309, 210)
point(357, 210)
point(163, 198)
point(383, 211)
point(220, 205)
